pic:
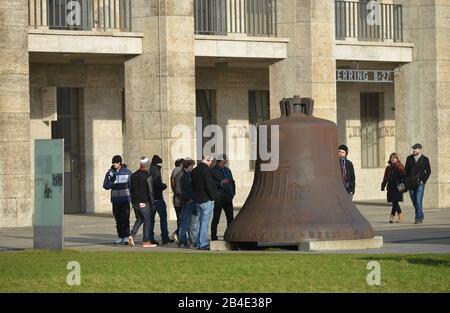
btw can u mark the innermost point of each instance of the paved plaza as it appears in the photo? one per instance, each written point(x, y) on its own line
point(97, 232)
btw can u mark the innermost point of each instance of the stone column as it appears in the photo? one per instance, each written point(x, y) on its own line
point(160, 84)
point(310, 69)
point(423, 94)
point(15, 184)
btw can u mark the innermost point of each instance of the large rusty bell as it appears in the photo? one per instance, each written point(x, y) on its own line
point(304, 199)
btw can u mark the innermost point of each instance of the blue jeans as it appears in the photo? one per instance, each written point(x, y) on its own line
point(160, 207)
point(185, 224)
point(193, 230)
point(416, 198)
point(142, 217)
point(205, 211)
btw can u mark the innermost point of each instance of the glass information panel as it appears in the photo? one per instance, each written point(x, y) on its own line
point(49, 182)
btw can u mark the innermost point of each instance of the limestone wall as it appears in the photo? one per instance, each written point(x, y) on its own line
point(15, 197)
point(368, 180)
point(232, 87)
point(101, 135)
point(309, 70)
point(160, 83)
point(423, 93)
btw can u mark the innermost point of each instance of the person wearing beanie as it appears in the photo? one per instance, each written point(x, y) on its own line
point(117, 179)
point(347, 170)
point(160, 204)
point(417, 172)
point(142, 200)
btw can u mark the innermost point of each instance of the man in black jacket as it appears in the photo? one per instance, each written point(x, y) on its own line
point(227, 190)
point(142, 200)
point(417, 172)
point(185, 195)
point(160, 204)
point(205, 191)
point(347, 170)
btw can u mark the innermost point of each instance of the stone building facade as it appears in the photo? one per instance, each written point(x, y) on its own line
point(126, 73)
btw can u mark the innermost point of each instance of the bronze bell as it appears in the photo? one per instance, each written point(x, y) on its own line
point(304, 199)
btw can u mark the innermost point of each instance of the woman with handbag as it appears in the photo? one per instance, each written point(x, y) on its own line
point(393, 179)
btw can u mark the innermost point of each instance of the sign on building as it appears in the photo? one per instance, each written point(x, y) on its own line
point(364, 76)
point(49, 107)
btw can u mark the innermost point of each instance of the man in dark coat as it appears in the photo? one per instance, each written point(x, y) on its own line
point(176, 200)
point(417, 172)
point(205, 191)
point(347, 170)
point(160, 204)
point(227, 190)
point(185, 194)
point(142, 200)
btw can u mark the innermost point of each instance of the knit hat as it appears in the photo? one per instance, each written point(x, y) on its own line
point(417, 146)
point(117, 159)
point(156, 160)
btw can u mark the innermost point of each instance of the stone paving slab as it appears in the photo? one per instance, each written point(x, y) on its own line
point(97, 232)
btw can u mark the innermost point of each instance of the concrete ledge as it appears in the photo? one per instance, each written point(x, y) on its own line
point(360, 244)
point(81, 42)
point(241, 47)
point(374, 51)
point(220, 245)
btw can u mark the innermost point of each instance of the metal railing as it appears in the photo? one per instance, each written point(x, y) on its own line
point(369, 21)
point(221, 17)
point(98, 15)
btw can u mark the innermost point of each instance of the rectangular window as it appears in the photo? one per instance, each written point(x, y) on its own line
point(258, 106)
point(206, 109)
point(258, 110)
point(210, 17)
point(369, 130)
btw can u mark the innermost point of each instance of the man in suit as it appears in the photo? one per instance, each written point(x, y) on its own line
point(417, 172)
point(347, 170)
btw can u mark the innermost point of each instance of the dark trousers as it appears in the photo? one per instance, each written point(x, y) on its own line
point(396, 208)
point(160, 207)
point(218, 206)
point(121, 213)
point(179, 216)
point(142, 217)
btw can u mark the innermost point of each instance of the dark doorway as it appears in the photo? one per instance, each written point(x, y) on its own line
point(67, 127)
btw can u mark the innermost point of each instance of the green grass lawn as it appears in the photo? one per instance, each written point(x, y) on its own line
point(45, 271)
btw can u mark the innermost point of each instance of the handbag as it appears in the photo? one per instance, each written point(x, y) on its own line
point(401, 187)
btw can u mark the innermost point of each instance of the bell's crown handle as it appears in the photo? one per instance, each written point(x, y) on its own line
point(288, 106)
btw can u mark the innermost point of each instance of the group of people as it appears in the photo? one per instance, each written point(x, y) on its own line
point(398, 178)
point(199, 194)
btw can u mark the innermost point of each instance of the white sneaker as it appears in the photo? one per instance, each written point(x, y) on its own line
point(131, 241)
point(119, 241)
point(148, 244)
point(125, 240)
